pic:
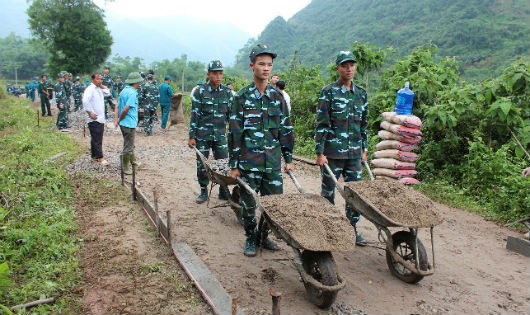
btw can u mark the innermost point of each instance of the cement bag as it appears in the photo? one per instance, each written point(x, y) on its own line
point(396, 154)
point(400, 129)
point(394, 173)
point(409, 181)
point(409, 121)
point(394, 144)
point(387, 135)
point(388, 116)
point(176, 113)
point(393, 164)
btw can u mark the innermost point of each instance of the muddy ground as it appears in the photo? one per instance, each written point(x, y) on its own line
point(475, 274)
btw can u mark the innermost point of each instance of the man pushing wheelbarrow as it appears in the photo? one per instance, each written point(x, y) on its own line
point(260, 133)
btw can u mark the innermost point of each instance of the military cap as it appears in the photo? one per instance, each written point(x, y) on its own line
point(344, 56)
point(215, 65)
point(199, 82)
point(151, 71)
point(149, 76)
point(167, 77)
point(261, 49)
point(134, 77)
point(64, 73)
point(106, 67)
point(60, 74)
point(77, 78)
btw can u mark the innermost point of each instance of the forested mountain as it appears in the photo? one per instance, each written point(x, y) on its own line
point(483, 35)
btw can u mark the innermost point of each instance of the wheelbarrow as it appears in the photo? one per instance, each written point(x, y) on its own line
point(312, 235)
point(405, 254)
point(222, 179)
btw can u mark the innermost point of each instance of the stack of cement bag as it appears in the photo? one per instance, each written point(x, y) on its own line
point(394, 158)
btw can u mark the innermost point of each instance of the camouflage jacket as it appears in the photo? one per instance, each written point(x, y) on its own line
point(77, 90)
point(210, 112)
point(68, 87)
point(119, 86)
point(60, 94)
point(141, 100)
point(260, 130)
point(341, 121)
point(150, 93)
point(108, 82)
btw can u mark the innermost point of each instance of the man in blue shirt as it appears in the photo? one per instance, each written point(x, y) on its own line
point(165, 92)
point(126, 116)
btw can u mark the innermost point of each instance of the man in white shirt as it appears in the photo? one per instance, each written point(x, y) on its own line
point(94, 106)
point(281, 86)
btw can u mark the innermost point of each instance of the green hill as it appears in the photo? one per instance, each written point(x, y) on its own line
point(483, 35)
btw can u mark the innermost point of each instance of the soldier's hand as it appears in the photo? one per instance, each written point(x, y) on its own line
point(192, 142)
point(321, 160)
point(288, 167)
point(365, 156)
point(234, 173)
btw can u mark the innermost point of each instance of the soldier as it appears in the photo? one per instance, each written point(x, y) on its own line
point(107, 82)
point(150, 98)
point(44, 96)
point(62, 103)
point(260, 133)
point(165, 92)
point(119, 85)
point(210, 112)
point(68, 88)
point(341, 137)
point(27, 87)
point(77, 92)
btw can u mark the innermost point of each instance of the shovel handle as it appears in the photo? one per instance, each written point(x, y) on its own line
point(295, 181)
point(368, 170)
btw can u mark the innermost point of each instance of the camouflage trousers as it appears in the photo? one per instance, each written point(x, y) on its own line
point(220, 151)
point(62, 117)
point(265, 184)
point(149, 118)
point(351, 170)
point(77, 104)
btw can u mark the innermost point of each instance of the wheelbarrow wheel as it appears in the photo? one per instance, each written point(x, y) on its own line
point(320, 266)
point(404, 245)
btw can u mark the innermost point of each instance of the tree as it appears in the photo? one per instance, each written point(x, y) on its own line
point(21, 58)
point(73, 31)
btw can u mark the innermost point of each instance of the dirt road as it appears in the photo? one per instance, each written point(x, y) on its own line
point(475, 273)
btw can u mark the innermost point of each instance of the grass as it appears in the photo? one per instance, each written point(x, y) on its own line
point(37, 225)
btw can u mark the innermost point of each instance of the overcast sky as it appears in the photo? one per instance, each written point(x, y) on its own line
point(251, 16)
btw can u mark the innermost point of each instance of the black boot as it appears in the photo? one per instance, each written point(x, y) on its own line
point(223, 193)
point(331, 199)
point(203, 196)
point(250, 243)
point(265, 242)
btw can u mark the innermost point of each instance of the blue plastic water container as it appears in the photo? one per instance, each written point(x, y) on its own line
point(404, 100)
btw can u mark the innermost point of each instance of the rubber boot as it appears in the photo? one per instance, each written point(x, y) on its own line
point(359, 240)
point(203, 196)
point(223, 193)
point(354, 217)
point(126, 164)
point(135, 161)
point(250, 243)
point(267, 242)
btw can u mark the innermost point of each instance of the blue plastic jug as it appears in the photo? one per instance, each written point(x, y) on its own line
point(404, 100)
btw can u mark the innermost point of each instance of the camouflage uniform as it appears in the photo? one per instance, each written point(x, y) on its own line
point(210, 112)
point(77, 92)
point(150, 98)
point(60, 99)
point(68, 91)
point(108, 82)
point(44, 99)
point(341, 122)
point(260, 133)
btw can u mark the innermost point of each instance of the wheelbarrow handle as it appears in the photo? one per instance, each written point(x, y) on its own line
point(246, 186)
point(368, 170)
point(295, 181)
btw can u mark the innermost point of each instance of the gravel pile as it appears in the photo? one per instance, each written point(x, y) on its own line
point(344, 309)
point(311, 221)
point(86, 165)
point(398, 202)
point(219, 166)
